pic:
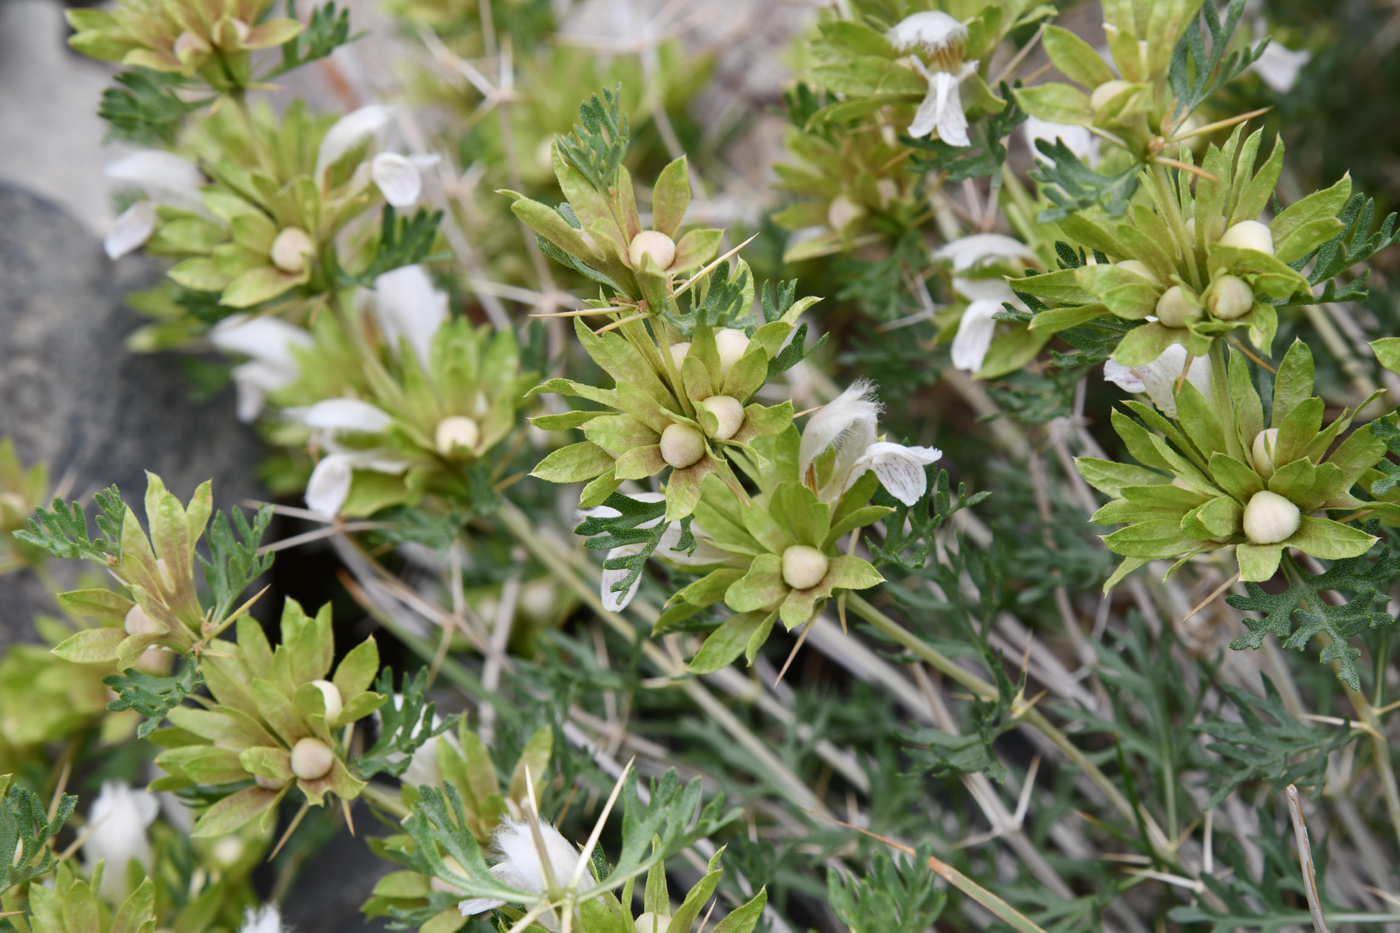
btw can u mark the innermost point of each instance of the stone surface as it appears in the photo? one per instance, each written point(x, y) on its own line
point(72, 395)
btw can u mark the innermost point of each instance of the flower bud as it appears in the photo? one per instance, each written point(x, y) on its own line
point(457, 431)
point(188, 44)
point(1133, 265)
point(241, 30)
point(138, 623)
point(843, 211)
point(1174, 309)
point(728, 412)
point(330, 695)
point(290, 249)
point(682, 445)
point(268, 783)
point(311, 759)
point(678, 353)
point(652, 923)
point(227, 851)
point(731, 344)
point(653, 243)
point(1212, 234)
point(804, 567)
point(1250, 234)
point(1229, 298)
point(1106, 92)
point(1264, 444)
point(1270, 518)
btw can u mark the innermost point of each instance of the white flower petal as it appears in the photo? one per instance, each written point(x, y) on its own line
point(900, 469)
point(348, 132)
point(329, 485)
point(931, 30)
point(1278, 67)
point(132, 228)
point(253, 380)
point(397, 179)
point(1158, 378)
point(981, 249)
point(165, 177)
point(615, 601)
point(521, 866)
point(974, 336)
point(264, 919)
point(117, 824)
point(1122, 376)
point(409, 307)
point(347, 414)
point(478, 905)
point(848, 421)
point(952, 122)
point(266, 338)
point(1077, 139)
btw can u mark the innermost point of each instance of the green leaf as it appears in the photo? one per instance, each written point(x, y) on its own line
point(599, 140)
point(1075, 57)
point(152, 696)
point(406, 726)
point(575, 463)
point(146, 109)
point(1195, 75)
point(26, 831)
point(234, 563)
point(728, 641)
point(403, 241)
point(1072, 186)
point(63, 532)
point(327, 30)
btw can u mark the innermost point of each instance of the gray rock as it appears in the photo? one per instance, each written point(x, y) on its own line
point(72, 395)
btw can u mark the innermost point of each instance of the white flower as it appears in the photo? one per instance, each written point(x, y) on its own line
point(980, 249)
point(408, 307)
point(1278, 67)
point(522, 868)
point(164, 178)
point(942, 107)
point(397, 177)
point(986, 298)
point(1077, 139)
point(931, 31)
point(264, 919)
point(704, 554)
point(117, 834)
point(423, 767)
point(1158, 378)
point(268, 342)
point(848, 424)
point(330, 482)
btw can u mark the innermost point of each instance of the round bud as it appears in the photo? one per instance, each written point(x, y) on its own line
point(330, 695)
point(1229, 297)
point(457, 431)
point(678, 352)
point(267, 783)
point(843, 211)
point(241, 29)
point(1175, 309)
point(1250, 234)
point(728, 412)
point(290, 249)
point(227, 851)
point(653, 243)
point(682, 445)
point(311, 759)
point(731, 344)
point(1270, 518)
point(1106, 92)
point(1264, 444)
point(804, 567)
point(652, 923)
point(1133, 265)
point(138, 623)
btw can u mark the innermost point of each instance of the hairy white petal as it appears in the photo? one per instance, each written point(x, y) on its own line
point(900, 469)
point(348, 132)
point(1278, 67)
point(252, 381)
point(397, 179)
point(164, 177)
point(409, 307)
point(266, 338)
point(329, 485)
point(117, 834)
point(477, 905)
point(931, 30)
point(1158, 378)
point(132, 228)
point(346, 414)
point(521, 867)
point(847, 422)
point(1077, 139)
point(974, 336)
point(1122, 376)
point(264, 919)
point(981, 249)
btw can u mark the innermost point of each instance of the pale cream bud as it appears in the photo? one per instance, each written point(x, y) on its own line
point(138, 623)
point(330, 695)
point(728, 412)
point(843, 210)
point(267, 783)
point(678, 352)
point(1264, 444)
point(731, 344)
point(290, 250)
point(682, 445)
point(1106, 92)
point(311, 759)
point(1250, 234)
point(1229, 298)
point(454, 432)
point(1174, 309)
point(1270, 518)
point(227, 851)
point(804, 567)
point(653, 243)
point(1133, 265)
point(188, 43)
point(652, 923)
